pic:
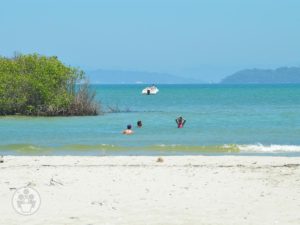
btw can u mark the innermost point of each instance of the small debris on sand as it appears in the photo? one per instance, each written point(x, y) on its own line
point(30, 184)
point(160, 160)
point(97, 203)
point(54, 182)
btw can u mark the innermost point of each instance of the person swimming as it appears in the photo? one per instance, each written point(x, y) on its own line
point(180, 122)
point(128, 130)
point(139, 124)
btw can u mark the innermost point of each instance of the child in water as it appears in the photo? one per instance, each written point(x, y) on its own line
point(128, 130)
point(180, 122)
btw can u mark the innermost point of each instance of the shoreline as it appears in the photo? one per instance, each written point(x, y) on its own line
point(139, 189)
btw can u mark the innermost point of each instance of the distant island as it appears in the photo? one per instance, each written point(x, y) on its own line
point(282, 75)
point(135, 77)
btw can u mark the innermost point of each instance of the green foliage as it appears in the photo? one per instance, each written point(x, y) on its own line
point(37, 85)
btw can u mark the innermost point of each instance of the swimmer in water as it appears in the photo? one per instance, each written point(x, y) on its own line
point(139, 124)
point(180, 122)
point(128, 130)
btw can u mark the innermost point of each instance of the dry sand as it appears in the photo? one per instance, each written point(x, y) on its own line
point(139, 190)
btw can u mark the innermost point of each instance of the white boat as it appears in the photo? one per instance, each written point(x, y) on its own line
point(152, 90)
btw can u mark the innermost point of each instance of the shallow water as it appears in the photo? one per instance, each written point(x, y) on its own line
point(221, 119)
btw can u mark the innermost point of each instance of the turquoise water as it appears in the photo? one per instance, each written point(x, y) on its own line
point(221, 119)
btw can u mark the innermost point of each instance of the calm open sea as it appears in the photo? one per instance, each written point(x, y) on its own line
point(221, 119)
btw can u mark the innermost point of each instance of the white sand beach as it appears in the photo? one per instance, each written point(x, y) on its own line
point(139, 190)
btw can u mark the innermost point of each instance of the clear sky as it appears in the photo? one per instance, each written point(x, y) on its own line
point(205, 39)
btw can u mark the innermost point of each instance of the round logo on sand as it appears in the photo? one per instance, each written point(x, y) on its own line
point(26, 201)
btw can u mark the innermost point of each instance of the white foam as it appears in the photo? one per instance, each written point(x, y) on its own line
point(269, 148)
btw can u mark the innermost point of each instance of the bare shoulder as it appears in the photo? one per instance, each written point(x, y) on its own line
point(127, 132)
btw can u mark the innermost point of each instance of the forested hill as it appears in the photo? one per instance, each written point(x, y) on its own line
point(283, 75)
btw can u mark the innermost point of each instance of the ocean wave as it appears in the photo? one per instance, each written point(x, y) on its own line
point(269, 148)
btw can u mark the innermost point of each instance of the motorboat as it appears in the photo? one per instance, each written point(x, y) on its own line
point(152, 90)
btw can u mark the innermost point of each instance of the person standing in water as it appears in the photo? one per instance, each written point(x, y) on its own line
point(180, 122)
point(128, 130)
point(139, 124)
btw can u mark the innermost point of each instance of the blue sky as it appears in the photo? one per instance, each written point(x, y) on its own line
point(205, 39)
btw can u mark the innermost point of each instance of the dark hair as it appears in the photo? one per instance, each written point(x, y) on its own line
point(139, 123)
point(128, 126)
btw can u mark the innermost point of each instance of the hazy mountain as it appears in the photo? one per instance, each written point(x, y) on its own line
point(281, 75)
point(134, 77)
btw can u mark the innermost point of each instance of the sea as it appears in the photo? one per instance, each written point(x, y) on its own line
point(252, 119)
